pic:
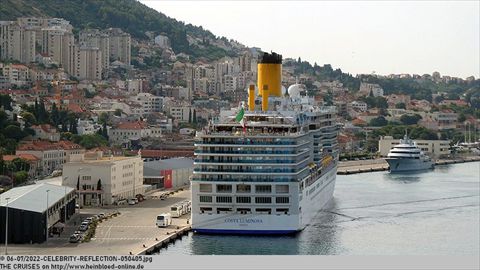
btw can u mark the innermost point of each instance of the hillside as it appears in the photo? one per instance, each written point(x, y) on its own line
point(129, 15)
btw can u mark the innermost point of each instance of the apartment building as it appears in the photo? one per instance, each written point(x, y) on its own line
point(120, 45)
point(88, 63)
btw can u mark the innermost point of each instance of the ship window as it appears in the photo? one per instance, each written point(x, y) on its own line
point(224, 188)
point(282, 188)
point(205, 209)
point(205, 188)
point(263, 189)
point(282, 200)
point(244, 210)
point(221, 210)
point(282, 210)
point(206, 199)
point(244, 200)
point(224, 199)
point(263, 210)
point(243, 188)
point(263, 200)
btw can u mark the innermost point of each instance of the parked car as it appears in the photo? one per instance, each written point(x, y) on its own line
point(131, 202)
point(101, 215)
point(75, 238)
point(83, 227)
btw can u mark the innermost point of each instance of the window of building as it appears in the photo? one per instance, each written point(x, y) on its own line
point(243, 188)
point(206, 199)
point(244, 200)
point(282, 200)
point(224, 188)
point(282, 189)
point(263, 200)
point(224, 199)
point(263, 189)
point(205, 188)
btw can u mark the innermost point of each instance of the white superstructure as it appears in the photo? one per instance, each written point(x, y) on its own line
point(407, 156)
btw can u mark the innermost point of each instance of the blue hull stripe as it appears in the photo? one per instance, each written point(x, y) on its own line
point(220, 231)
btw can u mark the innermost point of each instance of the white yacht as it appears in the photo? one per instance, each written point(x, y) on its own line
point(407, 156)
point(265, 169)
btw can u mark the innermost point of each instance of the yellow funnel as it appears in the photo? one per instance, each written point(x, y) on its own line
point(265, 98)
point(251, 97)
point(269, 72)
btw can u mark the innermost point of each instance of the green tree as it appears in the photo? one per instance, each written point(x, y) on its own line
point(378, 122)
point(20, 164)
point(13, 132)
point(118, 112)
point(400, 105)
point(29, 118)
point(90, 141)
point(99, 184)
point(461, 118)
point(410, 119)
point(20, 177)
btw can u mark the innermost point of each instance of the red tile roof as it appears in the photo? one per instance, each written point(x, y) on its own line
point(132, 125)
point(146, 153)
point(28, 157)
point(45, 145)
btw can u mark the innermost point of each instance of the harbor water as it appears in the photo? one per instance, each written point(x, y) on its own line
point(433, 212)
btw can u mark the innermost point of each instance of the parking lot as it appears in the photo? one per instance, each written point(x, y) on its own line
point(127, 232)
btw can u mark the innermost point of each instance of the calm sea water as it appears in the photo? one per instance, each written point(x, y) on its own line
point(428, 213)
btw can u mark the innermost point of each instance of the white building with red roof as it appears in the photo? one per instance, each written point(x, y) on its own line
point(52, 155)
point(46, 132)
point(130, 131)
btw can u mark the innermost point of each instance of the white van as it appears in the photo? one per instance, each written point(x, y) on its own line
point(164, 220)
point(176, 210)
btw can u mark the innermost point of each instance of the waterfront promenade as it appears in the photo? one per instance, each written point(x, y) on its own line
point(124, 234)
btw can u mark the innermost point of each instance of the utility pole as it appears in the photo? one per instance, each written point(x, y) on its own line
point(46, 223)
point(6, 227)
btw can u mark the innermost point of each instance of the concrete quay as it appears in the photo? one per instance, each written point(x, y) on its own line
point(375, 165)
point(132, 232)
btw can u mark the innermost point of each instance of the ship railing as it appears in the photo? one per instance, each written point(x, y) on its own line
point(247, 161)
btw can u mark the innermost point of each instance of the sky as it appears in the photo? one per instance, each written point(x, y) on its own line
point(360, 37)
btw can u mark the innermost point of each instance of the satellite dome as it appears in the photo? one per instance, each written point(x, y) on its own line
point(294, 90)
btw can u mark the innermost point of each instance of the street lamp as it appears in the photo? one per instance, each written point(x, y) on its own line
point(65, 201)
point(6, 227)
point(46, 223)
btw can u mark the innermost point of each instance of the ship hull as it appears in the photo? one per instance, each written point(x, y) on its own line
point(310, 202)
point(407, 165)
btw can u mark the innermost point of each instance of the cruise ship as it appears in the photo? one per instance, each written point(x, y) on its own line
point(268, 168)
point(407, 156)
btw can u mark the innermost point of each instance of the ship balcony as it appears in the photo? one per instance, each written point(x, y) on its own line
point(276, 171)
point(252, 144)
point(246, 162)
point(249, 153)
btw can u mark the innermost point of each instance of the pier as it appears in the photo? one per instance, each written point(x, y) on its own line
point(375, 165)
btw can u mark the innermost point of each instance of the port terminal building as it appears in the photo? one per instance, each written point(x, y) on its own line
point(32, 209)
point(433, 148)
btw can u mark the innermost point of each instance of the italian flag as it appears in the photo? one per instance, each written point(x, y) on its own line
point(239, 118)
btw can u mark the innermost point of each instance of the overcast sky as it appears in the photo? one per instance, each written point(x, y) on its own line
point(357, 36)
